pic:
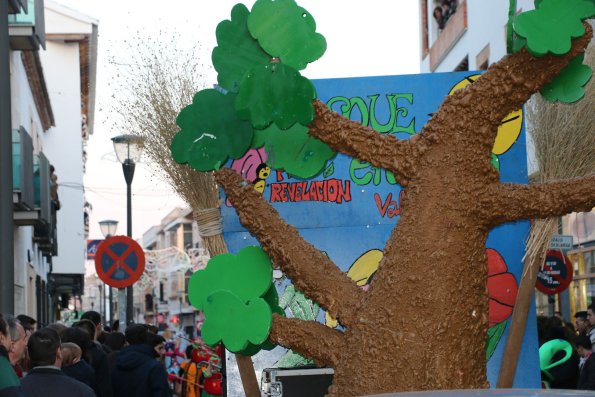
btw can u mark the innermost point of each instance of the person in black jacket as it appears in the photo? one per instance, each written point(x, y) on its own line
point(137, 373)
point(98, 360)
point(586, 380)
point(46, 378)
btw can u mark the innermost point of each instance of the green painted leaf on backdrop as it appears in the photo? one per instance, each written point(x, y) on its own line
point(247, 275)
point(237, 51)
point(211, 132)
point(235, 323)
point(494, 334)
point(275, 93)
point(329, 170)
point(568, 86)
point(495, 162)
point(286, 31)
point(293, 150)
point(550, 28)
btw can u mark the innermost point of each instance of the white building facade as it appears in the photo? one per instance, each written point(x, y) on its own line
point(70, 67)
point(473, 37)
point(49, 91)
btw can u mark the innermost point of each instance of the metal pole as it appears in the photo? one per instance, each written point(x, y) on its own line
point(111, 307)
point(6, 211)
point(128, 168)
point(122, 308)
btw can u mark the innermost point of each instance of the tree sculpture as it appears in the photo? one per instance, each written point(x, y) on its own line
point(417, 327)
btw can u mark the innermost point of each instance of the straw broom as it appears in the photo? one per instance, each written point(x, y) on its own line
point(564, 141)
point(160, 81)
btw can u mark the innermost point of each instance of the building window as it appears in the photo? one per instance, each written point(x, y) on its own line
point(187, 235)
point(482, 60)
point(463, 65)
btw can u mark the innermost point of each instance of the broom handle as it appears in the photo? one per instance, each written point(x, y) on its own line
point(518, 322)
point(248, 375)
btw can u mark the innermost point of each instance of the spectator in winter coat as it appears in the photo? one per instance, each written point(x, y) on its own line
point(586, 380)
point(137, 373)
point(18, 344)
point(9, 382)
point(45, 378)
point(98, 360)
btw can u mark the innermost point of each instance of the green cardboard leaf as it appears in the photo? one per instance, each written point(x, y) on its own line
point(237, 51)
point(247, 275)
point(235, 323)
point(275, 93)
point(551, 27)
point(568, 86)
point(293, 150)
point(286, 31)
point(210, 132)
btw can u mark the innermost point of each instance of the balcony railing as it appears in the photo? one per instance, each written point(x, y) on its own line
point(22, 171)
point(27, 28)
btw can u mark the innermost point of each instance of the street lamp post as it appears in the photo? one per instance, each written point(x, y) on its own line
point(108, 228)
point(128, 149)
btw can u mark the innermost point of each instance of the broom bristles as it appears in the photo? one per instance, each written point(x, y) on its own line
point(564, 141)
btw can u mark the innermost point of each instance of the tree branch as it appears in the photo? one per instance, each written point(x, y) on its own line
point(311, 271)
point(510, 202)
point(505, 87)
point(364, 143)
point(308, 338)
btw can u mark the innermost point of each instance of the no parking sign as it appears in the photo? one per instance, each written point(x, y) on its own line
point(119, 261)
point(556, 274)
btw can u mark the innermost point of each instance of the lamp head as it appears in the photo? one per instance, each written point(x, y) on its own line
point(108, 227)
point(128, 148)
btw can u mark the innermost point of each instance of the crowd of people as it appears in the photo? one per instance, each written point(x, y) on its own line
point(566, 351)
point(444, 11)
point(84, 360)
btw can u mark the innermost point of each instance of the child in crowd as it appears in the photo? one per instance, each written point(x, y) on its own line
point(74, 367)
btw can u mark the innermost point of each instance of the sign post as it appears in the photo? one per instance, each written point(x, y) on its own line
point(119, 262)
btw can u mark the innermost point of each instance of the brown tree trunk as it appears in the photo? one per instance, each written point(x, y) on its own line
point(423, 323)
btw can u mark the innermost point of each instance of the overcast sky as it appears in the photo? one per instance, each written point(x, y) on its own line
point(364, 38)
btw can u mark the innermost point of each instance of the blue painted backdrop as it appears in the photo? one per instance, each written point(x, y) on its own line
point(363, 203)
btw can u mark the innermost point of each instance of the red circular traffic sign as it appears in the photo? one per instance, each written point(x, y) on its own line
point(556, 274)
point(119, 261)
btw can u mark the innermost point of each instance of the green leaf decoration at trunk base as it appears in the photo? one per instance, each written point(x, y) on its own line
point(247, 275)
point(494, 336)
point(235, 323)
point(211, 132)
point(293, 150)
point(286, 31)
point(237, 51)
point(238, 298)
point(275, 93)
point(568, 86)
point(551, 26)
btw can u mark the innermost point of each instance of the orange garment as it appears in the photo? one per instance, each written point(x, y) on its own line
point(191, 377)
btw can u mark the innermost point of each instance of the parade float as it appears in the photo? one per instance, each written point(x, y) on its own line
point(395, 204)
